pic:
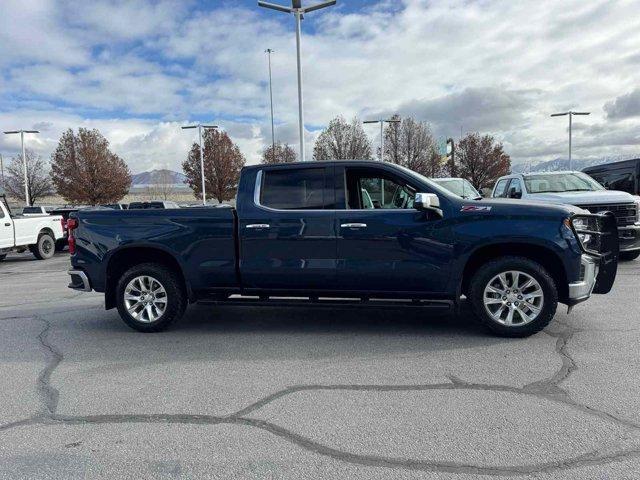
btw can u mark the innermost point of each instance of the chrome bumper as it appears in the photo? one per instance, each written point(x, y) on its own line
point(579, 291)
point(79, 281)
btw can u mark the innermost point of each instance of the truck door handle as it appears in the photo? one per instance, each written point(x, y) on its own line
point(353, 225)
point(258, 225)
point(7, 224)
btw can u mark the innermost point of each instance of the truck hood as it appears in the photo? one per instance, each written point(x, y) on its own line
point(584, 198)
point(509, 205)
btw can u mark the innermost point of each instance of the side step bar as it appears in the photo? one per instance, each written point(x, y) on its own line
point(327, 302)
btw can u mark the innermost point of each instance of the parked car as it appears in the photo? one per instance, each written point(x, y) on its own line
point(36, 210)
point(304, 230)
point(460, 186)
point(159, 204)
point(579, 189)
point(36, 233)
point(623, 176)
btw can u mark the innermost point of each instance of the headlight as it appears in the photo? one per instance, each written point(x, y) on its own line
point(638, 211)
point(587, 230)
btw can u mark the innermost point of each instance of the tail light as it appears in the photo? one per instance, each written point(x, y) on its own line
point(63, 223)
point(71, 224)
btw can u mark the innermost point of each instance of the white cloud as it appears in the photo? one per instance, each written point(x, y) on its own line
point(137, 69)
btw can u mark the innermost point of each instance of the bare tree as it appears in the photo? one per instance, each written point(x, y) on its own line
point(343, 141)
point(84, 170)
point(222, 164)
point(481, 160)
point(411, 144)
point(278, 153)
point(162, 185)
point(38, 181)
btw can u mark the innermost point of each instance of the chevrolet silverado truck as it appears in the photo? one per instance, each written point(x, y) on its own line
point(579, 189)
point(346, 233)
point(38, 233)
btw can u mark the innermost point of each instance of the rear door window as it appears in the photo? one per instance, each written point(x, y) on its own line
point(293, 189)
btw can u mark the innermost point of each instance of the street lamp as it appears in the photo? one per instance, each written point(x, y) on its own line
point(571, 114)
point(24, 160)
point(200, 127)
point(297, 9)
point(382, 121)
point(269, 51)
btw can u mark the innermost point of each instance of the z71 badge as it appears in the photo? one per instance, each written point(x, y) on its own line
point(475, 208)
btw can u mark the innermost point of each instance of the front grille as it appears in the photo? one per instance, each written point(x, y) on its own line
point(625, 213)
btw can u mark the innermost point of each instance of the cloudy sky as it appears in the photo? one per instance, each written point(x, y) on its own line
point(138, 70)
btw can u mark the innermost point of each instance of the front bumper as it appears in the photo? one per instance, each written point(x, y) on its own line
point(581, 290)
point(629, 238)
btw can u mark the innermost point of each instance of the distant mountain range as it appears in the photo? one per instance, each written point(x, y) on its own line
point(162, 176)
point(559, 164)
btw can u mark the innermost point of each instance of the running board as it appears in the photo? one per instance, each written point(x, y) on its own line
point(274, 301)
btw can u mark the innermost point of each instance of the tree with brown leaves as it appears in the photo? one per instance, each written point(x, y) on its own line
point(343, 141)
point(411, 144)
point(38, 181)
point(481, 160)
point(84, 170)
point(222, 164)
point(278, 153)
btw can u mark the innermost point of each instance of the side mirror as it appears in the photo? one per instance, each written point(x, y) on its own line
point(514, 194)
point(427, 201)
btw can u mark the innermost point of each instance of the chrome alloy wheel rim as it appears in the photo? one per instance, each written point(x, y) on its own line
point(513, 298)
point(145, 299)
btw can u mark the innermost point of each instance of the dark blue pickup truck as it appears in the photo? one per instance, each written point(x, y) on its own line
point(347, 232)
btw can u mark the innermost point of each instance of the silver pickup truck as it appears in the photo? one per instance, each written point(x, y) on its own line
point(580, 190)
point(38, 233)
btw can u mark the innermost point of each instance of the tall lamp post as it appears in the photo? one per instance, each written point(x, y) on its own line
point(269, 51)
point(199, 126)
point(382, 121)
point(571, 114)
point(299, 11)
point(24, 161)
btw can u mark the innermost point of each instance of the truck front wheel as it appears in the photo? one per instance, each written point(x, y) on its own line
point(150, 297)
point(628, 256)
point(513, 296)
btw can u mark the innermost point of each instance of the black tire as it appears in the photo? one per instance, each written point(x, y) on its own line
point(628, 256)
point(175, 295)
point(3, 256)
point(60, 244)
point(45, 248)
point(488, 271)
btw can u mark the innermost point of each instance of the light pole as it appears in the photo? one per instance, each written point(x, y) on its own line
point(24, 161)
point(200, 127)
point(269, 51)
point(297, 9)
point(571, 114)
point(382, 121)
point(2, 169)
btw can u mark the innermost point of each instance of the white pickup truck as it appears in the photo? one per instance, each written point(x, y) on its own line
point(37, 233)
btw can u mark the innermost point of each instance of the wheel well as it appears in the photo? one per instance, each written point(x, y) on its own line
point(544, 256)
point(123, 260)
point(47, 230)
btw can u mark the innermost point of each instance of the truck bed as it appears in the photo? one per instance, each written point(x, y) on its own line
point(202, 240)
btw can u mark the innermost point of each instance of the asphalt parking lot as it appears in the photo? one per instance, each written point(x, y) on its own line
point(293, 393)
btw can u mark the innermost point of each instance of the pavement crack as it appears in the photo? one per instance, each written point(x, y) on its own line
point(48, 394)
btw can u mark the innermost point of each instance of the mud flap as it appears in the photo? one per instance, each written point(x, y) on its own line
point(609, 251)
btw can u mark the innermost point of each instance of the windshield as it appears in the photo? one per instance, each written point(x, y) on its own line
point(459, 186)
point(561, 182)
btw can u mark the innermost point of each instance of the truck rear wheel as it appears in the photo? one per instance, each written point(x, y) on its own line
point(3, 256)
point(45, 247)
point(149, 297)
point(513, 296)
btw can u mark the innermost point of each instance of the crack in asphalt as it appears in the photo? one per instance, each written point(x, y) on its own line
point(546, 389)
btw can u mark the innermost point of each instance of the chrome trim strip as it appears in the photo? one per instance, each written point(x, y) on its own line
point(582, 290)
point(86, 286)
